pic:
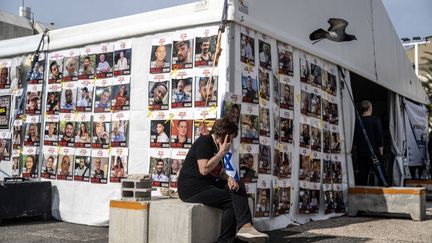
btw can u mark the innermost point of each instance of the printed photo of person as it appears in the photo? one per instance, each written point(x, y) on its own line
point(102, 99)
point(314, 201)
point(160, 169)
point(17, 136)
point(275, 201)
point(202, 127)
point(55, 68)
point(315, 170)
point(33, 104)
point(286, 165)
point(118, 168)
point(264, 159)
point(305, 105)
point(264, 121)
point(160, 131)
point(334, 117)
point(53, 103)
point(327, 139)
point(263, 203)
point(286, 66)
point(32, 134)
point(70, 68)
point(249, 89)
point(181, 134)
point(87, 66)
point(304, 135)
point(287, 97)
point(122, 60)
point(277, 124)
point(176, 165)
point(181, 93)
point(264, 54)
point(315, 138)
point(82, 168)
point(68, 99)
point(315, 109)
point(4, 78)
point(66, 136)
point(101, 135)
point(30, 166)
point(316, 79)
point(325, 110)
point(336, 172)
point(37, 75)
point(264, 92)
point(120, 97)
point(247, 49)
point(49, 166)
point(232, 110)
point(286, 130)
point(83, 134)
point(332, 85)
point(15, 166)
point(104, 65)
point(182, 54)
point(205, 48)
point(328, 202)
point(119, 133)
point(5, 149)
point(335, 143)
point(304, 167)
point(285, 200)
point(249, 129)
point(276, 162)
point(327, 171)
point(161, 59)
point(158, 95)
point(304, 205)
point(85, 99)
point(248, 167)
point(304, 70)
point(206, 91)
point(64, 169)
point(51, 133)
point(99, 170)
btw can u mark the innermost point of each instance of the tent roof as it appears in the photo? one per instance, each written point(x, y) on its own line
point(377, 54)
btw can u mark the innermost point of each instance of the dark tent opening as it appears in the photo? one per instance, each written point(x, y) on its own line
point(364, 89)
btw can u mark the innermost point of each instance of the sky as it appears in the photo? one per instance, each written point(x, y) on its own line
point(410, 17)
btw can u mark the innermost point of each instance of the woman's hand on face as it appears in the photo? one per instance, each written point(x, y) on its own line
point(225, 146)
point(232, 184)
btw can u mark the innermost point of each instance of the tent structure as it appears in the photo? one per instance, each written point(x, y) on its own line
point(285, 27)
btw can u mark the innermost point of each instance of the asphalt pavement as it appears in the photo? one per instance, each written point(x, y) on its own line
point(377, 228)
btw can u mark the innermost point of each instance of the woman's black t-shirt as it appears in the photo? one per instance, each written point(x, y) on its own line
point(191, 181)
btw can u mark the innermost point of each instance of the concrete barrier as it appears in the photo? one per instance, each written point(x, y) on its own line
point(400, 200)
point(173, 221)
point(128, 221)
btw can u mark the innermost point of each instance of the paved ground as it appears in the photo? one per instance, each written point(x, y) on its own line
point(342, 229)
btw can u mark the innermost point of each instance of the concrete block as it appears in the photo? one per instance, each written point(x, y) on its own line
point(128, 221)
point(399, 200)
point(173, 221)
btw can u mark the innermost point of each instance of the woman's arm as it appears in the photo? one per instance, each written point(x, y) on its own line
point(205, 165)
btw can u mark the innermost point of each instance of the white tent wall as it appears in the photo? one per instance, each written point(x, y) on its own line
point(398, 137)
point(348, 119)
point(377, 54)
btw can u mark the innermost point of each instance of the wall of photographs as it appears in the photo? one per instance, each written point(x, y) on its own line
point(183, 88)
point(287, 105)
point(74, 125)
